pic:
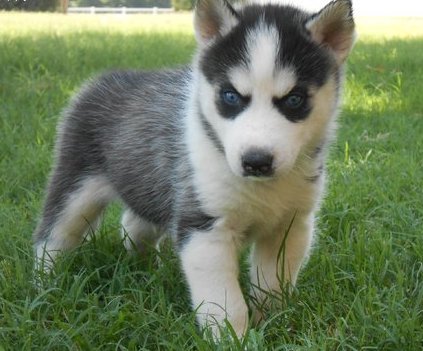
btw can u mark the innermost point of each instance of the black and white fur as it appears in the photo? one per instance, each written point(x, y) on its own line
point(225, 152)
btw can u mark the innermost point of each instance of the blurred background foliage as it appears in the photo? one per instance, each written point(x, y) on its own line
point(61, 5)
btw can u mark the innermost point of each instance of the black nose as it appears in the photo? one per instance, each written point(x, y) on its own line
point(257, 163)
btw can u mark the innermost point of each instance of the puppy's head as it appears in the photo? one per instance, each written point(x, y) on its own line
point(269, 80)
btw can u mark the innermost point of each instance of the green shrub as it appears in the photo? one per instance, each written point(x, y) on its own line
point(29, 5)
point(183, 5)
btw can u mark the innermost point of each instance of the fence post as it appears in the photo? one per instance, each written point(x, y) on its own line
point(92, 10)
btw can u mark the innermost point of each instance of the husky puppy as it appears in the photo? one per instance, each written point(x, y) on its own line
point(227, 152)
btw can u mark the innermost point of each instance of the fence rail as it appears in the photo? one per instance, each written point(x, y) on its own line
point(119, 10)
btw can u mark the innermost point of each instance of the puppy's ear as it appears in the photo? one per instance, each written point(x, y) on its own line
point(213, 18)
point(334, 27)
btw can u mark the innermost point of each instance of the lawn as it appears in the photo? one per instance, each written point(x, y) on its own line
point(363, 286)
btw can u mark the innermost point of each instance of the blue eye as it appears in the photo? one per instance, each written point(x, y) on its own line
point(229, 102)
point(231, 98)
point(294, 101)
point(294, 106)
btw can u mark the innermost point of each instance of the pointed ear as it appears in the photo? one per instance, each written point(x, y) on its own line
point(212, 18)
point(334, 27)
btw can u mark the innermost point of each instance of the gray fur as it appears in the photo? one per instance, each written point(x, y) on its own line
point(128, 127)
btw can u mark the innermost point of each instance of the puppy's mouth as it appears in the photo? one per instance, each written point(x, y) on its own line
point(259, 179)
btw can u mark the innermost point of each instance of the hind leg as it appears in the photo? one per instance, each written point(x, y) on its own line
point(71, 210)
point(137, 233)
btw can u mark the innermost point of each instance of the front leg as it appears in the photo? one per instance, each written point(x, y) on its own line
point(276, 259)
point(210, 262)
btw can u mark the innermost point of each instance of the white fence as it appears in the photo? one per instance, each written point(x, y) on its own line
point(119, 10)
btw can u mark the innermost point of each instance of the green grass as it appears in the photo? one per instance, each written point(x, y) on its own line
point(363, 286)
